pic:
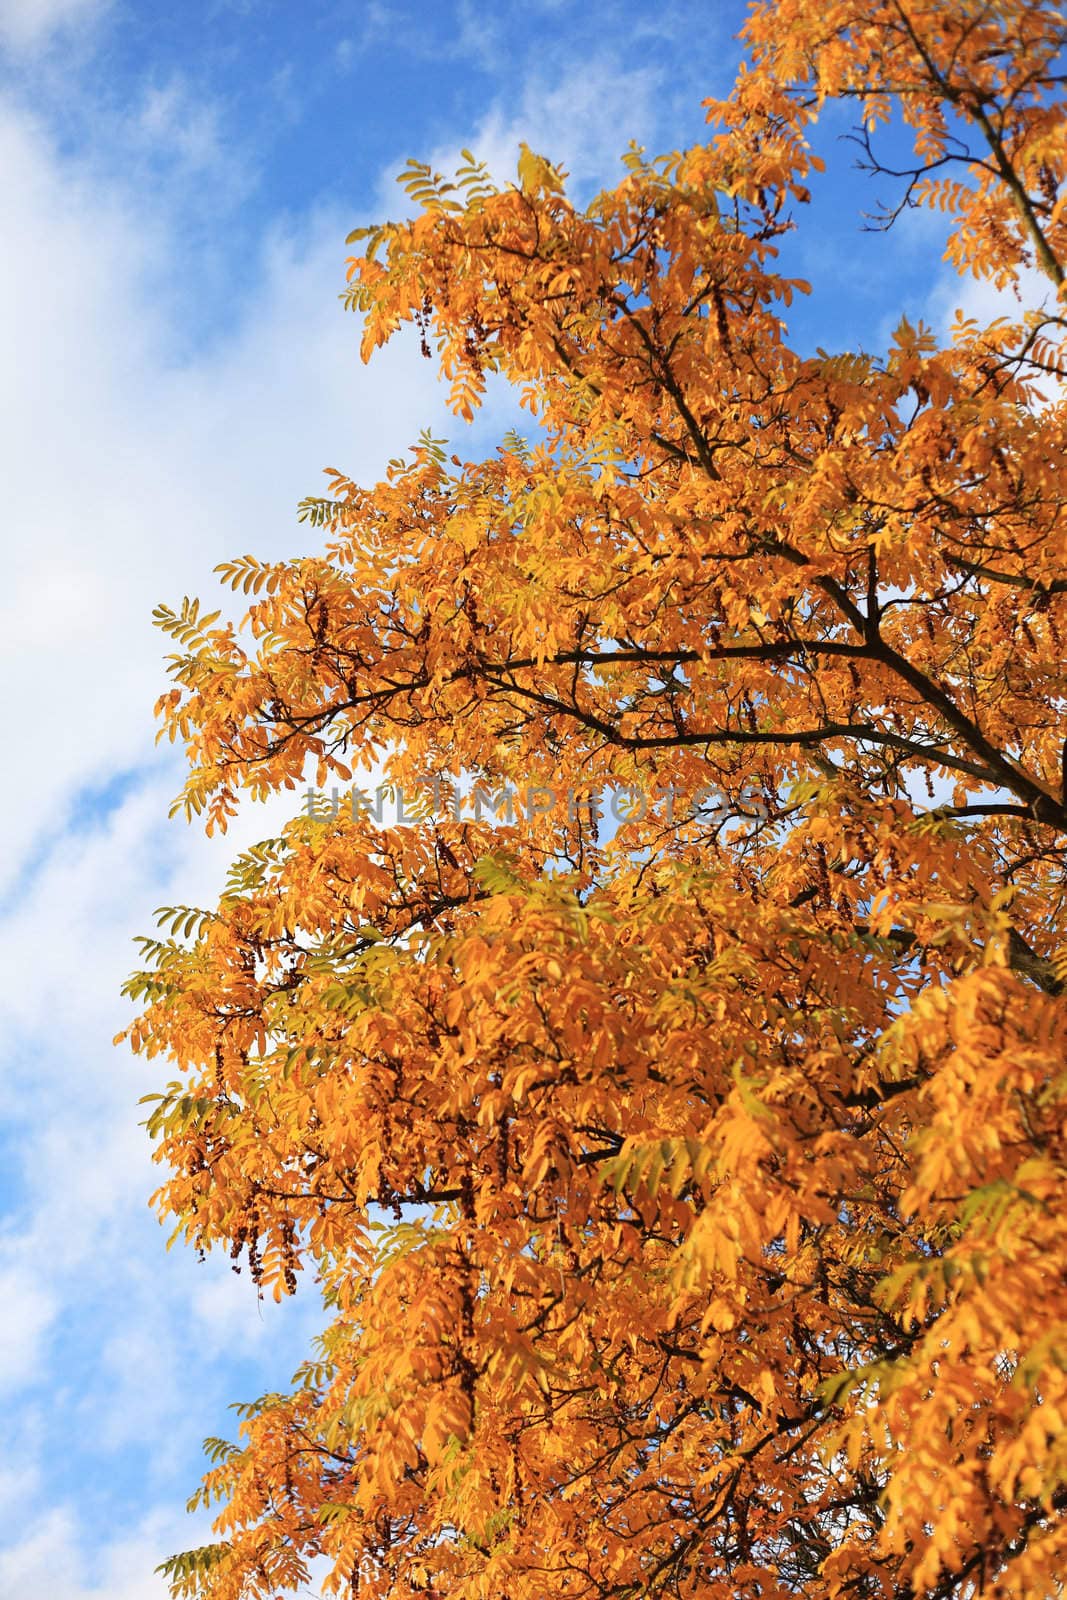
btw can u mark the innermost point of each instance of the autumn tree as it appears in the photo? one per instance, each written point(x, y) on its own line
point(685, 1196)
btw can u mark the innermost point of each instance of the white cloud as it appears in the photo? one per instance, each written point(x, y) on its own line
point(982, 300)
point(16, 1487)
point(134, 470)
point(95, 1316)
point(582, 119)
point(28, 1310)
point(171, 116)
point(51, 1559)
point(221, 1305)
point(69, 940)
point(29, 24)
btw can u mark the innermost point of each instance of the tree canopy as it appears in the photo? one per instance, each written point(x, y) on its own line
point(685, 1195)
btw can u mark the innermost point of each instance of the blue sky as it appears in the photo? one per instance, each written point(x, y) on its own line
point(177, 185)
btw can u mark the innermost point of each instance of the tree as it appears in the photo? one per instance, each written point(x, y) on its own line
point(687, 1202)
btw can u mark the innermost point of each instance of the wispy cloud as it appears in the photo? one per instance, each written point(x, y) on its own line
point(28, 1310)
point(171, 116)
point(112, 1365)
point(581, 117)
point(134, 467)
point(52, 1557)
point(577, 120)
point(29, 25)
